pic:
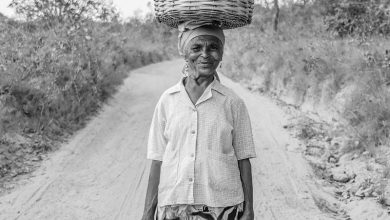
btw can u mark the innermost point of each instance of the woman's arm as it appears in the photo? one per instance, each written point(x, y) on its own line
point(246, 179)
point(152, 191)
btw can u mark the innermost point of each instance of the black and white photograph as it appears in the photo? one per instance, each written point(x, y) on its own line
point(194, 109)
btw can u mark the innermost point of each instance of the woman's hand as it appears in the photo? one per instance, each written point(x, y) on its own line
point(248, 215)
point(246, 179)
point(152, 191)
point(147, 217)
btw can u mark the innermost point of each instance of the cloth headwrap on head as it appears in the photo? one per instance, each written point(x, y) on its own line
point(191, 29)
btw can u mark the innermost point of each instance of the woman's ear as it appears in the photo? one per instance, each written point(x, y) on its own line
point(186, 54)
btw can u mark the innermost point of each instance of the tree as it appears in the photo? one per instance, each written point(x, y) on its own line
point(276, 18)
point(358, 17)
point(64, 10)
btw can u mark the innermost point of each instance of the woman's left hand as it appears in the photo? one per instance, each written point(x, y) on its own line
point(247, 216)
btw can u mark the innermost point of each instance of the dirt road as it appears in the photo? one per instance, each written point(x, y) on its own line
point(102, 172)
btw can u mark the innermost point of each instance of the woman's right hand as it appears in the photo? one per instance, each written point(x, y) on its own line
point(152, 191)
point(147, 217)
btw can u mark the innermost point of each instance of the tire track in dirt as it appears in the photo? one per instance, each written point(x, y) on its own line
point(102, 172)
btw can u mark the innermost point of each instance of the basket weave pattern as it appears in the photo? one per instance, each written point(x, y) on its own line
point(225, 13)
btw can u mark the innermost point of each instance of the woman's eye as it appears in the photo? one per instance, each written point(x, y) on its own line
point(214, 47)
point(195, 49)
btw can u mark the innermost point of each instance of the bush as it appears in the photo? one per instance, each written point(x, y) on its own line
point(307, 67)
point(53, 79)
point(359, 17)
point(52, 12)
point(368, 109)
point(72, 68)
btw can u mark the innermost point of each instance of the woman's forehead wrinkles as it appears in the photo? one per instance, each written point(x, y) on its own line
point(204, 40)
point(202, 43)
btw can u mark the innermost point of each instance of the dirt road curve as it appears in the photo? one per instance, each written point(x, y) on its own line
point(102, 172)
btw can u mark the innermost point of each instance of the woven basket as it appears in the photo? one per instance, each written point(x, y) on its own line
point(227, 14)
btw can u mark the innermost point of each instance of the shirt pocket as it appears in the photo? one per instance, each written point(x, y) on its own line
point(224, 174)
point(178, 122)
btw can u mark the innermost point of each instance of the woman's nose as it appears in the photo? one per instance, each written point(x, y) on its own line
point(205, 52)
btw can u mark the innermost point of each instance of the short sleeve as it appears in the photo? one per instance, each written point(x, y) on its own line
point(243, 144)
point(156, 141)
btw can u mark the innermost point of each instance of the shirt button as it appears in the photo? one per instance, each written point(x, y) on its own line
point(194, 110)
point(192, 155)
point(192, 132)
point(190, 179)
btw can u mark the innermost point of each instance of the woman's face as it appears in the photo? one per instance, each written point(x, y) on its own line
point(203, 54)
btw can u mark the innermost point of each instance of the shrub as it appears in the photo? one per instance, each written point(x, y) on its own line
point(368, 110)
point(52, 12)
point(53, 79)
point(308, 68)
point(359, 17)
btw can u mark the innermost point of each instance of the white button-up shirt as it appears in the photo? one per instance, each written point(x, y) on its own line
point(200, 145)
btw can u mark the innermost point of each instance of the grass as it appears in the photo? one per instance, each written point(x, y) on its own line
point(54, 79)
point(310, 68)
point(343, 81)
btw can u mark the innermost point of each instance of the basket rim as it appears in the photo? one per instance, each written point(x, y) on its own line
point(228, 14)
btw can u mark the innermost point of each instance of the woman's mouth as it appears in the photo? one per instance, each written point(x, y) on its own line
point(206, 64)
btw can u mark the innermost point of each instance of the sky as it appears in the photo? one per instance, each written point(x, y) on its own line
point(126, 7)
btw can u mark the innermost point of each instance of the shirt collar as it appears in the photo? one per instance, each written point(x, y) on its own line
point(215, 85)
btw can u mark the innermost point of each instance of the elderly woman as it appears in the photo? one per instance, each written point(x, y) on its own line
point(200, 140)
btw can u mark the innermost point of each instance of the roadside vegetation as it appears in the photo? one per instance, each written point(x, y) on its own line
point(331, 60)
point(318, 61)
point(327, 61)
point(57, 68)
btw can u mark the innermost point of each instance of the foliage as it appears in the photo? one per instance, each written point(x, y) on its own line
point(368, 109)
point(358, 17)
point(53, 11)
point(307, 67)
point(54, 79)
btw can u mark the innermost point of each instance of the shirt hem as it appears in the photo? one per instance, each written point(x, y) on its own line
point(247, 157)
point(154, 158)
point(205, 203)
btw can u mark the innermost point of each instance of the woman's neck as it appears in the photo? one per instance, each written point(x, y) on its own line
point(196, 87)
point(203, 82)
